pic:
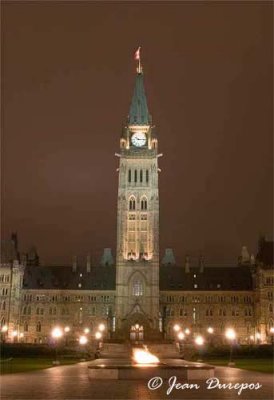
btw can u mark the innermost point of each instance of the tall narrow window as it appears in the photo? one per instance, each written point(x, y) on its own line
point(129, 175)
point(141, 175)
point(38, 327)
point(143, 204)
point(132, 203)
point(147, 177)
point(135, 175)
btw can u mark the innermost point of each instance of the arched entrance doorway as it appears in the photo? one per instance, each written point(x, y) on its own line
point(136, 333)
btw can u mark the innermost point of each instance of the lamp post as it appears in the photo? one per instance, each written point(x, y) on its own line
point(258, 337)
point(14, 335)
point(181, 337)
point(56, 334)
point(98, 336)
point(66, 331)
point(230, 334)
point(210, 332)
point(199, 340)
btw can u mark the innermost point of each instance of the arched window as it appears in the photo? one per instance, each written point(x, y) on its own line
point(3, 321)
point(38, 311)
point(141, 175)
point(144, 204)
point(29, 310)
point(26, 327)
point(3, 305)
point(25, 310)
point(137, 288)
point(135, 175)
point(129, 175)
point(147, 176)
point(132, 203)
point(38, 327)
point(270, 308)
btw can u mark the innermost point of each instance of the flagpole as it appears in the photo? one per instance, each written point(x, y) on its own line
point(139, 60)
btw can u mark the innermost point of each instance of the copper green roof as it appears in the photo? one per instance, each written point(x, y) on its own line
point(138, 113)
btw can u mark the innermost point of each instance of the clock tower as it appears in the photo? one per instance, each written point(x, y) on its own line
point(137, 257)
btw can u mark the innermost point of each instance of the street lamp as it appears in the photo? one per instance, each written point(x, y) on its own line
point(86, 331)
point(210, 330)
point(181, 337)
point(258, 337)
point(4, 330)
point(14, 334)
point(56, 333)
point(199, 340)
point(230, 334)
point(66, 331)
point(187, 331)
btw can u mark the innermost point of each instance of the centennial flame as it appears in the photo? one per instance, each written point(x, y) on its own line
point(143, 356)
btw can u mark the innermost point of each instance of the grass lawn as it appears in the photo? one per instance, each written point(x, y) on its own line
point(31, 364)
point(252, 364)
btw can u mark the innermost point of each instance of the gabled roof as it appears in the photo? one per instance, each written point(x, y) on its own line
point(63, 277)
point(212, 278)
point(138, 113)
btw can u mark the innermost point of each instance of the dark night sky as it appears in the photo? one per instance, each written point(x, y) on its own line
point(68, 76)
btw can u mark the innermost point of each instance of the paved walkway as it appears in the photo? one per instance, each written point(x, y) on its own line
point(72, 382)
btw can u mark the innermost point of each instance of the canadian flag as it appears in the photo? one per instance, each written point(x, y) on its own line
point(137, 54)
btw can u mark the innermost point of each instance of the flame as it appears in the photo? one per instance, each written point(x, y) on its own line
point(144, 357)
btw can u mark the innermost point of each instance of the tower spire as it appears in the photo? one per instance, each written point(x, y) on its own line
point(138, 113)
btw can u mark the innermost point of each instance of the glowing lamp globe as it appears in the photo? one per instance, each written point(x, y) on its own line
point(56, 333)
point(176, 328)
point(230, 334)
point(98, 335)
point(199, 340)
point(83, 340)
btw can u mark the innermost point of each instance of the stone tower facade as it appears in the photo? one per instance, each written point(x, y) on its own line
point(137, 260)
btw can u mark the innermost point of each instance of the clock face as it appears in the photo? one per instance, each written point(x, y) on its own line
point(138, 139)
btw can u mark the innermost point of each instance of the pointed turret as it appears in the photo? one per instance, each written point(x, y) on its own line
point(138, 113)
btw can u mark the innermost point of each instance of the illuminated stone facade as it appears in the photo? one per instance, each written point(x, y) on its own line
point(137, 297)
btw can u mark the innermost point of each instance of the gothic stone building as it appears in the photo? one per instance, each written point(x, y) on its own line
point(137, 297)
